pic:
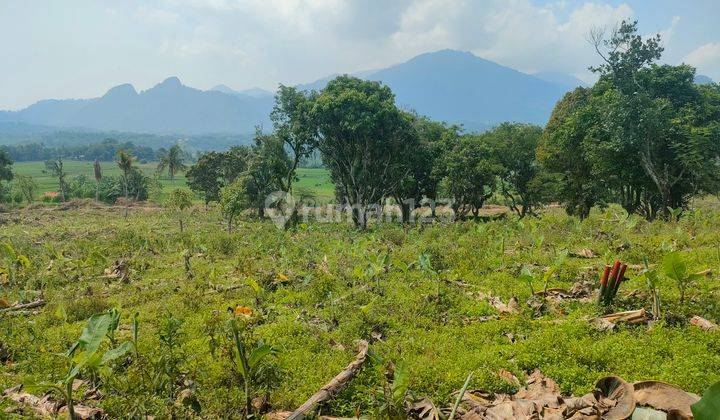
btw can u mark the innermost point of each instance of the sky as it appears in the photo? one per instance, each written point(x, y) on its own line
point(81, 48)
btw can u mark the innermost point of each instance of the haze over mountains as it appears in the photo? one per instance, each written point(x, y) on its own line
point(457, 87)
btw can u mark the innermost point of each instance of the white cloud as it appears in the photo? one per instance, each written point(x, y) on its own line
point(706, 58)
point(517, 33)
point(156, 16)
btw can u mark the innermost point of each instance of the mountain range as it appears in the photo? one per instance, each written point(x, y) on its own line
point(453, 86)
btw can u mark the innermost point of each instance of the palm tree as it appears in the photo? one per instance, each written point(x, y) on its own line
point(125, 163)
point(98, 176)
point(173, 160)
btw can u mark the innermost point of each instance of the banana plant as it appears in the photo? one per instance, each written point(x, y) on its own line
point(527, 276)
point(15, 262)
point(653, 282)
point(85, 354)
point(247, 361)
point(675, 268)
point(393, 396)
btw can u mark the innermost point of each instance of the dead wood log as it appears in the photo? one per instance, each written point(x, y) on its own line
point(21, 306)
point(335, 385)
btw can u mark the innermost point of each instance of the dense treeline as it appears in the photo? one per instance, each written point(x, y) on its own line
point(103, 151)
point(644, 136)
point(18, 133)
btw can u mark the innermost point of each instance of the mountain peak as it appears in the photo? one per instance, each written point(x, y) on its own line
point(224, 89)
point(124, 90)
point(171, 81)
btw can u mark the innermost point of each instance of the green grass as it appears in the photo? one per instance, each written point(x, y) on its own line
point(316, 180)
point(317, 299)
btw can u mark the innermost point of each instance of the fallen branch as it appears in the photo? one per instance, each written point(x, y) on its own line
point(21, 306)
point(631, 317)
point(220, 288)
point(335, 385)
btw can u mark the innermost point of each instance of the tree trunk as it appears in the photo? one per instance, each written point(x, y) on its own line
point(359, 217)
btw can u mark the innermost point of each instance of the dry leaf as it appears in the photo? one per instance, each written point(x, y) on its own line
point(584, 253)
point(509, 377)
point(703, 323)
point(615, 398)
point(243, 311)
point(665, 397)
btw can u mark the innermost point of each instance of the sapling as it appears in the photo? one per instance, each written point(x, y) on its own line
point(675, 268)
point(527, 276)
point(652, 281)
point(247, 360)
point(85, 353)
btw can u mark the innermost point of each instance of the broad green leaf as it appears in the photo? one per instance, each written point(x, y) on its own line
point(117, 352)
point(674, 266)
point(92, 335)
point(401, 382)
point(254, 285)
point(709, 405)
point(258, 354)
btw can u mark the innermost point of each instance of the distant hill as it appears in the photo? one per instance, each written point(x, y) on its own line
point(169, 107)
point(255, 92)
point(460, 87)
point(567, 80)
point(701, 79)
point(457, 87)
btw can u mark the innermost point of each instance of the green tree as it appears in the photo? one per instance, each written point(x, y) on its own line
point(179, 200)
point(125, 163)
point(654, 139)
point(362, 138)
point(6, 173)
point(563, 150)
point(267, 165)
point(25, 187)
point(523, 182)
point(233, 200)
point(293, 122)
point(214, 170)
point(55, 167)
point(417, 179)
point(469, 174)
point(174, 161)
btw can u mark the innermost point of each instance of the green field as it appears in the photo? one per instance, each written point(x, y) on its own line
point(315, 290)
point(316, 180)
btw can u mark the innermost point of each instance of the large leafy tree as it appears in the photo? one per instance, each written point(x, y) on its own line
point(469, 173)
point(174, 161)
point(267, 165)
point(363, 137)
point(645, 135)
point(523, 181)
point(215, 170)
point(293, 122)
point(563, 150)
point(417, 180)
